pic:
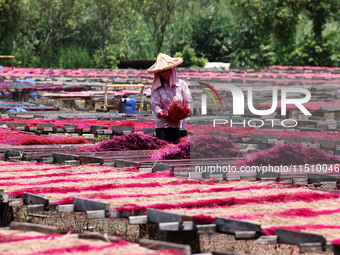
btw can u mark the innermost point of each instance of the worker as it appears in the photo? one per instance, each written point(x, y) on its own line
point(166, 90)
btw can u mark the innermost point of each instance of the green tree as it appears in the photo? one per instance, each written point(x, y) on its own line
point(158, 15)
point(210, 32)
point(110, 16)
point(319, 12)
point(275, 25)
point(99, 33)
point(319, 48)
point(10, 16)
point(276, 19)
point(55, 22)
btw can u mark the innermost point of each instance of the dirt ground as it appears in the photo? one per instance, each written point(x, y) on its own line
point(77, 223)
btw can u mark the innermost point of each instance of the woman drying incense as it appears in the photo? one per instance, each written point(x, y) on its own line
point(170, 99)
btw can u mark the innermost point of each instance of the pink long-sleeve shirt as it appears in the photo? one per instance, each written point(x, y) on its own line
point(163, 97)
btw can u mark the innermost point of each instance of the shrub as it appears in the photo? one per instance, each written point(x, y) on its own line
point(73, 57)
point(190, 58)
point(106, 58)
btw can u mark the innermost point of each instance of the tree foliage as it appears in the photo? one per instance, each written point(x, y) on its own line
point(158, 15)
point(100, 33)
point(10, 17)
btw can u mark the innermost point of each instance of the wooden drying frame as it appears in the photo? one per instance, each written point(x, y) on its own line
point(128, 86)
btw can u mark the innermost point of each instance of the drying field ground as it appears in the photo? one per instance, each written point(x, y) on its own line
point(206, 204)
point(75, 178)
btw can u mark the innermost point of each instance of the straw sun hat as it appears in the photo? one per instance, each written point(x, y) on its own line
point(164, 62)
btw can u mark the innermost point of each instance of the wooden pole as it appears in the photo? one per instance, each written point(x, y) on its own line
point(105, 100)
point(141, 99)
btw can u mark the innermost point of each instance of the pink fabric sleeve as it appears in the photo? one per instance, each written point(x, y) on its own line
point(156, 102)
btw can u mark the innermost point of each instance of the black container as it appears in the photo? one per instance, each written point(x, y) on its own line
point(122, 106)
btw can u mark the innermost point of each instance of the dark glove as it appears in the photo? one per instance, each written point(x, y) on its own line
point(188, 115)
point(168, 117)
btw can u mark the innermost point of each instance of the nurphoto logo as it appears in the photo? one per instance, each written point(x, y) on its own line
point(238, 108)
point(238, 100)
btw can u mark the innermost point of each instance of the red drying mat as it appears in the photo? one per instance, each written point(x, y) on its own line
point(178, 112)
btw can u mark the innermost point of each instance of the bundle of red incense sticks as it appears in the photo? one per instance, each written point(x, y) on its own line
point(178, 111)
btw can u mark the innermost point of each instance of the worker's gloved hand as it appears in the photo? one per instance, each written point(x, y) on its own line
point(160, 114)
point(168, 117)
point(188, 115)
